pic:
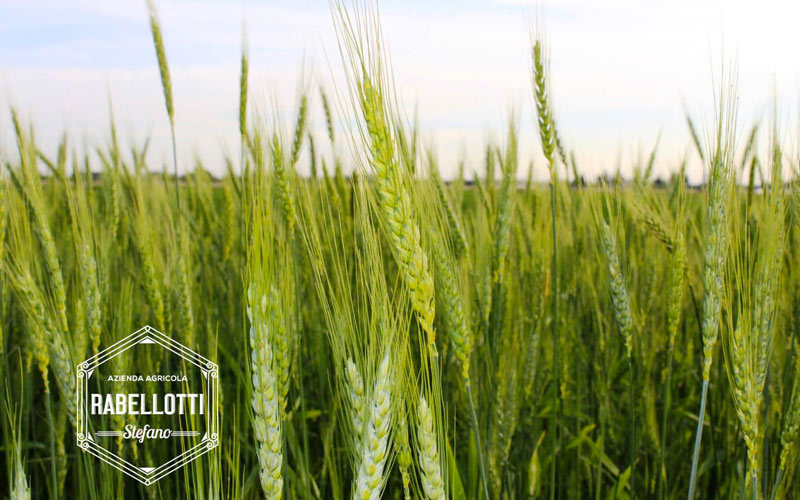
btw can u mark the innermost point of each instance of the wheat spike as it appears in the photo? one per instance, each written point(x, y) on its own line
point(277, 334)
point(695, 138)
point(714, 252)
point(312, 153)
point(543, 111)
point(161, 55)
point(453, 313)
point(355, 391)
point(328, 116)
point(749, 344)
point(432, 482)
point(31, 191)
point(266, 403)
point(404, 460)
point(59, 355)
point(299, 130)
point(369, 480)
point(502, 229)
point(152, 286)
point(676, 294)
point(243, 82)
point(185, 286)
point(619, 291)
point(396, 206)
point(284, 188)
point(30, 297)
point(91, 290)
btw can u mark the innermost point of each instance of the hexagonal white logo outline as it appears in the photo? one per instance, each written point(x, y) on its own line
point(149, 475)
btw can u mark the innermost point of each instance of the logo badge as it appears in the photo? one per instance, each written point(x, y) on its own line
point(148, 405)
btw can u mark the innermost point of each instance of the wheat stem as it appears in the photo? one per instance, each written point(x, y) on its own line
point(698, 438)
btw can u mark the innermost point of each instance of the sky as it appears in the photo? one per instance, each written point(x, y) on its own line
point(623, 72)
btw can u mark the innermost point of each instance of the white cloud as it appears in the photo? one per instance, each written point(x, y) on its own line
point(621, 69)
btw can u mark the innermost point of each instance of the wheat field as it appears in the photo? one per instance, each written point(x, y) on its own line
point(383, 331)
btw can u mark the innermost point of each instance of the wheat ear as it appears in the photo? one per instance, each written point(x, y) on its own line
point(161, 56)
point(404, 460)
point(432, 482)
point(299, 130)
point(266, 402)
point(624, 316)
point(543, 111)
point(394, 201)
point(243, 82)
point(715, 251)
point(546, 128)
point(284, 188)
point(328, 116)
point(355, 391)
point(619, 291)
point(166, 86)
point(502, 229)
point(453, 314)
point(369, 480)
point(59, 355)
point(33, 303)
